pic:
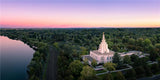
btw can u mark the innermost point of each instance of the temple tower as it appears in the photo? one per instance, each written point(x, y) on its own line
point(103, 47)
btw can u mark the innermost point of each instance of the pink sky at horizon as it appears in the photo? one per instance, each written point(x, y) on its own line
point(32, 14)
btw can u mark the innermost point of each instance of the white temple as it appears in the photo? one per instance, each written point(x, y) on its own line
point(102, 55)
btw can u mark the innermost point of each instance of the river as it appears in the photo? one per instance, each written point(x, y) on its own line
point(14, 58)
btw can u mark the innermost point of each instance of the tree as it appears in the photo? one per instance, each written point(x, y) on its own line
point(83, 50)
point(134, 58)
point(155, 68)
point(109, 77)
point(75, 67)
point(119, 76)
point(88, 73)
point(130, 74)
point(140, 42)
point(115, 48)
point(140, 71)
point(153, 54)
point(148, 71)
point(126, 59)
point(110, 66)
point(94, 63)
point(131, 41)
point(158, 61)
point(56, 45)
point(117, 59)
point(85, 62)
point(70, 77)
point(141, 61)
point(158, 47)
point(147, 42)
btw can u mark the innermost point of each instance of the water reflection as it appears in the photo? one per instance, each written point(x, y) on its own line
point(15, 56)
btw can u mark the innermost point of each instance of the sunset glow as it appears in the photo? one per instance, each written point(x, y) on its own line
point(79, 13)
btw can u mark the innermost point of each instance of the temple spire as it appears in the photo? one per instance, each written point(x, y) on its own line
point(103, 39)
point(103, 47)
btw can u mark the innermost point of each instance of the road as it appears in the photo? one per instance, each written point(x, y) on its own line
point(52, 64)
point(129, 67)
point(154, 77)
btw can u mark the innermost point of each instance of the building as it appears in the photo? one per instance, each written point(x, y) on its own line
point(102, 55)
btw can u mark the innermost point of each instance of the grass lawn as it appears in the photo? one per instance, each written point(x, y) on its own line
point(100, 71)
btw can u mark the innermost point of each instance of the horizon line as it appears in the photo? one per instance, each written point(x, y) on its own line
point(69, 27)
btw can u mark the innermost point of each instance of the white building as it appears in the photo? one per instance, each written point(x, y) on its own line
point(102, 55)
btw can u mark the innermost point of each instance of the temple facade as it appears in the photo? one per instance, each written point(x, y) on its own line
point(102, 55)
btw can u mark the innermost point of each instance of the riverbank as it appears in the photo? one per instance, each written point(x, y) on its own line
point(24, 41)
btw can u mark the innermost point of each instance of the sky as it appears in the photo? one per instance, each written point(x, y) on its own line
point(79, 13)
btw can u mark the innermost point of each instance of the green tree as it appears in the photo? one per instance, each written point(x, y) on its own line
point(158, 47)
point(148, 71)
point(153, 54)
point(131, 41)
point(94, 63)
point(130, 74)
point(83, 51)
point(85, 61)
point(56, 45)
point(70, 77)
point(119, 76)
point(75, 67)
point(110, 66)
point(158, 61)
point(140, 41)
point(126, 59)
point(155, 68)
point(117, 59)
point(134, 58)
point(115, 48)
point(88, 73)
point(108, 77)
point(140, 71)
point(147, 42)
point(141, 61)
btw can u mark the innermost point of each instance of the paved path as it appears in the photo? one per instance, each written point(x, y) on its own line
point(52, 64)
point(154, 77)
point(129, 67)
